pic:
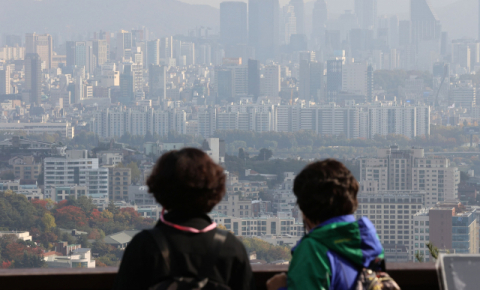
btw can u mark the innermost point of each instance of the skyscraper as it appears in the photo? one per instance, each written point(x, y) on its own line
point(124, 45)
point(100, 51)
point(253, 78)
point(263, 25)
point(425, 25)
point(334, 79)
point(288, 25)
point(319, 22)
point(42, 44)
point(225, 84)
point(299, 9)
point(233, 23)
point(82, 54)
point(304, 80)
point(153, 52)
point(33, 77)
point(166, 47)
point(366, 11)
point(157, 81)
point(127, 92)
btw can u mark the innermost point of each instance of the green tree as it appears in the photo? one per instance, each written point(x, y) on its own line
point(433, 250)
point(85, 203)
point(48, 222)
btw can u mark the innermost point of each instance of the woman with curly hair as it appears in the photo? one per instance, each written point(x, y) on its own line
point(185, 247)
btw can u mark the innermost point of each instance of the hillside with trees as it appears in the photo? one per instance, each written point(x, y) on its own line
point(46, 221)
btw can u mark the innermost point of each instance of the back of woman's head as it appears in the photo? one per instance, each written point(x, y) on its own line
point(326, 189)
point(187, 180)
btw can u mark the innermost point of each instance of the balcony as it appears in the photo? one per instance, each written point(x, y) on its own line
point(411, 276)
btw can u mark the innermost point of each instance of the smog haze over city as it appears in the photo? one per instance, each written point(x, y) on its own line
point(93, 92)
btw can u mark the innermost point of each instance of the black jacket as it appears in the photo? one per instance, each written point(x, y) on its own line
point(142, 263)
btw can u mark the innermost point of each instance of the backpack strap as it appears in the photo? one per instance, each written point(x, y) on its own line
point(162, 245)
point(218, 241)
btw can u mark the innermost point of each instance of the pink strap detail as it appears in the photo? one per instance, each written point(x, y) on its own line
point(187, 229)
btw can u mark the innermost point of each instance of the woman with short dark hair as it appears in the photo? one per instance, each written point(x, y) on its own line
point(188, 184)
point(336, 247)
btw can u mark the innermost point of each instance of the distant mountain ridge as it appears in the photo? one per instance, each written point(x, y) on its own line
point(164, 17)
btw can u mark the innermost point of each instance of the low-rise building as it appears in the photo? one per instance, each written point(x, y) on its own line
point(121, 239)
point(77, 258)
point(25, 236)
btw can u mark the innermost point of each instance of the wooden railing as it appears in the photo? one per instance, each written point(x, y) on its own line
point(408, 275)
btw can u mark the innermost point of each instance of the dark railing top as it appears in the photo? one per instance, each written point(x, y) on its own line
point(422, 276)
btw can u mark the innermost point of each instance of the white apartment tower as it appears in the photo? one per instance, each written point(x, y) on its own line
point(395, 169)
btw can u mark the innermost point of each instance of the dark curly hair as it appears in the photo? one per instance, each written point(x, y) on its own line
point(326, 189)
point(188, 180)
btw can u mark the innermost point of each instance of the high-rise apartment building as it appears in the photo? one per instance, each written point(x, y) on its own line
point(33, 77)
point(263, 25)
point(116, 123)
point(119, 180)
point(392, 213)
point(157, 82)
point(233, 23)
point(395, 169)
point(270, 83)
point(5, 80)
point(207, 122)
point(354, 78)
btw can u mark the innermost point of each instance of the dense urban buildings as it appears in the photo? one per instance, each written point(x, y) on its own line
point(264, 89)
